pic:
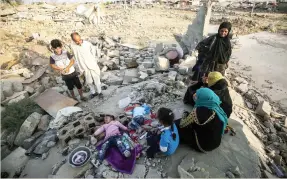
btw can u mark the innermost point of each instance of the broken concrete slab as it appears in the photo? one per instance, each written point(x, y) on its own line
point(7, 88)
point(52, 101)
point(161, 63)
point(27, 128)
point(15, 96)
point(129, 75)
point(17, 86)
point(263, 108)
point(24, 95)
point(37, 75)
point(14, 161)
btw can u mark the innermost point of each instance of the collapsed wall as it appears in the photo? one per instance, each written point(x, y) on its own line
point(198, 29)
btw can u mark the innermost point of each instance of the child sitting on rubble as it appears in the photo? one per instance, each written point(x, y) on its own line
point(63, 62)
point(138, 114)
point(166, 141)
point(113, 137)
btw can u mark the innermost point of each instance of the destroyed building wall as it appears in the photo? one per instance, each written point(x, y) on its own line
point(198, 29)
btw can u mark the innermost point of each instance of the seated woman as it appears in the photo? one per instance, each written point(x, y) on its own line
point(202, 129)
point(218, 85)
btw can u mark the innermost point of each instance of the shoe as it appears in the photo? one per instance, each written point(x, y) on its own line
point(93, 95)
point(83, 98)
point(101, 96)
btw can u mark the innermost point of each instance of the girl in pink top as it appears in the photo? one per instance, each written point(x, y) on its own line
point(113, 137)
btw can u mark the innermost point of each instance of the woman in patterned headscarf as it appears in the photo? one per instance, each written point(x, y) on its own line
point(202, 129)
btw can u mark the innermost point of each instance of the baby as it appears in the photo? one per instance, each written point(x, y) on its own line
point(113, 137)
point(138, 114)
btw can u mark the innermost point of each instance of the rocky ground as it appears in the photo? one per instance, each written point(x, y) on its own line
point(134, 65)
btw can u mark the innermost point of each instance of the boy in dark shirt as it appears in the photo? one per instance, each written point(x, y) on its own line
point(63, 62)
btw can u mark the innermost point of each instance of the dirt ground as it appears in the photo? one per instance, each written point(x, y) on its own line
point(136, 26)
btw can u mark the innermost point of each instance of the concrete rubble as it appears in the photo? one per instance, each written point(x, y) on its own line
point(134, 74)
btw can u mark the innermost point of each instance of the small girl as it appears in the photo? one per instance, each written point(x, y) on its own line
point(167, 142)
point(113, 137)
point(138, 114)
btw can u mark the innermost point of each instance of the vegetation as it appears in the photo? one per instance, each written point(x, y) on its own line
point(15, 114)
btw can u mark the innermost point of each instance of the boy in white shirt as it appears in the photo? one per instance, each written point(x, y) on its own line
point(63, 62)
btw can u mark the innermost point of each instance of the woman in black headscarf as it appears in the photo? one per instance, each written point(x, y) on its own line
point(214, 52)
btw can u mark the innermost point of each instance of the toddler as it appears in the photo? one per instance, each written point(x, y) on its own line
point(113, 137)
point(167, 141)
point(138, 114)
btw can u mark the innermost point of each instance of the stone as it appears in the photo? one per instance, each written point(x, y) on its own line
point(159, 48)
point(229, 174)
point(17, 86)
point(45, 155)
point(94, 140)
point(263, 108)
point(172, 75)
point(241, 80)
point(45, 82)
point(276, 115)
point(143, 75)
point(129, 75)
point(58, 89)
point(114, 53)
point(242, 88)
point(236, 171)
point(183, 70)
point(22, 95)
point(27, 143)
point(110, 174)
point(114, 80)
point(270, 126)
point(51, 144)
point(147, 64)
point(59, 80)
point(27, 128)
point(74, 142)
point(139, 172)
point(187, 64)
point(7, 88)
point(161, 63)
point(285, 122)
point(14, 161)
point(29, 89)
point(44, 123)
point(150, 71)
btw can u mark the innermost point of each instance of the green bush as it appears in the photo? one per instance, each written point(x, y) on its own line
point(15, 114)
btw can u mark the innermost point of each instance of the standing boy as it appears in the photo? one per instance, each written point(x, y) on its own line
point(63, 62)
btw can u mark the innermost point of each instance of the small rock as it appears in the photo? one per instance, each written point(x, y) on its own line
point(74, 142)
point(110, 174)
point(59, 80)
point(236, 171)
point(172, 75)
point(7, 88)
point(161, 63)
point(17, 86)
point(263, 108)
point(28, 128)
point(242, 88)
point(44, 123)
point(229, 174)
point(29, 89)
point(93, 140)
point(65, 151)
point(147, 64)
point(143, 75)
point(46, 82)
point(45, 155)
point(150, 71)
point(51, 144)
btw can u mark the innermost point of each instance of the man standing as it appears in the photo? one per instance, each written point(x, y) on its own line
point(85, 56)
